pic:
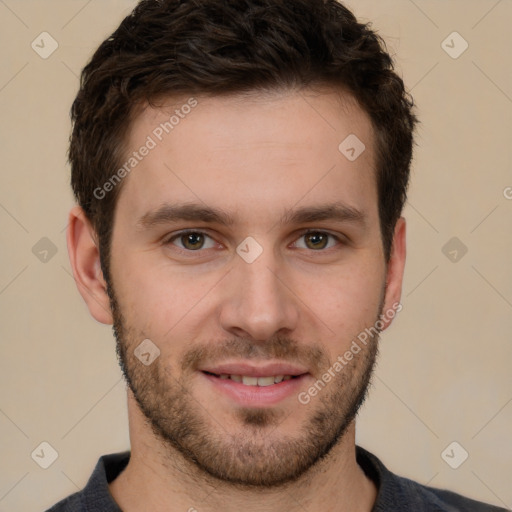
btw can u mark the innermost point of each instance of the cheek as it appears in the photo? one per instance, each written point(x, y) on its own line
point(156, 297)
point(346, 301)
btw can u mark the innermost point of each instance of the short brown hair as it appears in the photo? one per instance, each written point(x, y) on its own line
point(214, 47)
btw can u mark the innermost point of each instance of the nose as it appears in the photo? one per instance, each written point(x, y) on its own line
point(259, 301)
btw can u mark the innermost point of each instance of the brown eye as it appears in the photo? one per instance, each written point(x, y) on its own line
point(316, 240)
point(191, 241)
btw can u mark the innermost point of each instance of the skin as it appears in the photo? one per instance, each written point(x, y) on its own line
point(303, 300)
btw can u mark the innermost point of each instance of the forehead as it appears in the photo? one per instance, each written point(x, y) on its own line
point(252, 153)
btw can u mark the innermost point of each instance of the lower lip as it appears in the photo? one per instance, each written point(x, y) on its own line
point(257, 396)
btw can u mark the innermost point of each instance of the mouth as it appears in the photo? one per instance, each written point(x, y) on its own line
point(250, 386)
point(250, 380)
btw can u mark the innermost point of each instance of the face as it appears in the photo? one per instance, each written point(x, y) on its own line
point(247, 247)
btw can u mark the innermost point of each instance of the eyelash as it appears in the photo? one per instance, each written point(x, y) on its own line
point(196, 231)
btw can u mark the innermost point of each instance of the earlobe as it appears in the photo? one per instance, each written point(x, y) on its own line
point(85, 263)
point(395, 273)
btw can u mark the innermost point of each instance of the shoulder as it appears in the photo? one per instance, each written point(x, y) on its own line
point(95, 496)
point(396, 493)
point(426, 498)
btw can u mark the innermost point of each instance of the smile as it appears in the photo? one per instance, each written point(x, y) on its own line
point(255, 381)
point(255, 390)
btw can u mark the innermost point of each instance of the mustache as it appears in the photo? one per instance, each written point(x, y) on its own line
point(283, 348)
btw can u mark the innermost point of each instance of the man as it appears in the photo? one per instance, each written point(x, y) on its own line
point(240, 169)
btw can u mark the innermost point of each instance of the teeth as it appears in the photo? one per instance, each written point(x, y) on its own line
point(265, 381)
point(256, 381)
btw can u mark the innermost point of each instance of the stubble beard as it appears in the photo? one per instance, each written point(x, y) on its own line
point(259, 454)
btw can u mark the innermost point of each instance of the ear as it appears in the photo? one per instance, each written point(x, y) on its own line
point(395, 273)
point(85, 263)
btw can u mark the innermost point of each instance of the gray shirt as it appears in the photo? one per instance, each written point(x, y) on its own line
point(395, 493)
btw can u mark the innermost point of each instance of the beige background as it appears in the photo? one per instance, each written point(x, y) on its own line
point(445, 369)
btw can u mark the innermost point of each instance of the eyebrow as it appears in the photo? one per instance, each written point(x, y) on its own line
point(169, 213)
point(333, 211)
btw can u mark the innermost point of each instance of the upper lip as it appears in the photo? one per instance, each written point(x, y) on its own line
point(251, 370)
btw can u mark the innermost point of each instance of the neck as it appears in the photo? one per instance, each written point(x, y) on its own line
point(156, 480)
